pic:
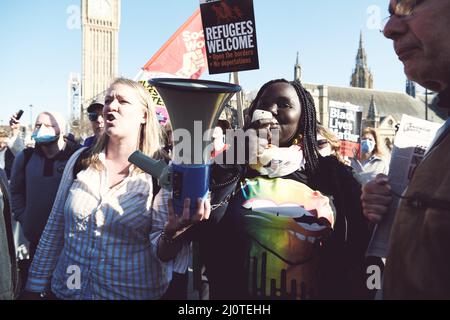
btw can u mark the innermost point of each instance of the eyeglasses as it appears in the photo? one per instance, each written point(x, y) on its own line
point(93, 116)
point(404, 8)
point(401, 9)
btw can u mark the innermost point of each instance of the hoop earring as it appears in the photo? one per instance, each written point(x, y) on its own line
point(298, 140)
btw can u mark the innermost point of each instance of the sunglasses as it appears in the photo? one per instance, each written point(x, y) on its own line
point(93, 116)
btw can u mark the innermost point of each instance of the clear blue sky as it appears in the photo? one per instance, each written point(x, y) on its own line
point(39, 50)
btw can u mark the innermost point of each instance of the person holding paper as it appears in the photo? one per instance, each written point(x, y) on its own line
point(418, 261)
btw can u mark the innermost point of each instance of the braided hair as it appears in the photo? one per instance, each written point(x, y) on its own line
point(306, 129)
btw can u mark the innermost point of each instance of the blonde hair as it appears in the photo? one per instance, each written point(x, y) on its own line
point(372, 131)
point(333, 140)
point(150, 136)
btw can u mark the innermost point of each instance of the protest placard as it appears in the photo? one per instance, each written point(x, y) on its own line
point(345, 122)
point(230, 35)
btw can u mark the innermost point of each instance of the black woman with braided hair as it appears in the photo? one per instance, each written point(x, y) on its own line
point(290, 226)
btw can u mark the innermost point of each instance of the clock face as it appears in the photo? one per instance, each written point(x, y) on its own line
point(100, 9)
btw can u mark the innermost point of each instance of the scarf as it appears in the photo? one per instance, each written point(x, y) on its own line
point(279, 162)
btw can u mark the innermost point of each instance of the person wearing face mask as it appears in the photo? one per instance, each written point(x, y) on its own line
point(371, 161)
point(323, 146)
point(328, 144)
point(288, 225)
point(36, 174)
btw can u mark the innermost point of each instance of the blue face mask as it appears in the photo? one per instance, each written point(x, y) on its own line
point(44, 135)
point(367, 146)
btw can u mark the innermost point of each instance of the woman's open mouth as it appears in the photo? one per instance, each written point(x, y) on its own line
point(110, 117)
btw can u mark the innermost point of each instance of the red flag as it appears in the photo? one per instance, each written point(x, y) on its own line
point(183, 55)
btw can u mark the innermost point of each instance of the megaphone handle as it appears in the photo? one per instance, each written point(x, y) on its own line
point(189, 181)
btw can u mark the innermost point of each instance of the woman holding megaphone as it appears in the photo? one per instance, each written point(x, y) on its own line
point(108, 225)
point(292, 225)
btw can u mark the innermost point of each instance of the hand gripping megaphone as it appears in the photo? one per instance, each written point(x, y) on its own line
point(190, 104)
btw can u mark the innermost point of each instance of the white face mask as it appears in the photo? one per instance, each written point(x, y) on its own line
point(44, 135)
point(325, 152)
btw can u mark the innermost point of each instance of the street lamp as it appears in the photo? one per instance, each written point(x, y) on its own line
point(31, 116)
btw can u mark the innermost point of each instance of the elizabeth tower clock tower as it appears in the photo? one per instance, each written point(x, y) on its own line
point(100, 28)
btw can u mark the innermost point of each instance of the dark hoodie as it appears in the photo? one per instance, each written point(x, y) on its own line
point(34, 188)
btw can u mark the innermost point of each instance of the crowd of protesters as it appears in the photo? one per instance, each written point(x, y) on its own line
point(293, 225)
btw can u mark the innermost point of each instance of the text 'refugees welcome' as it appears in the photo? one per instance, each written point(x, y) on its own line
point(230, 37)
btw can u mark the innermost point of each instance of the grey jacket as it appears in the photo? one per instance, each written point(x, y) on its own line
point(367, 170)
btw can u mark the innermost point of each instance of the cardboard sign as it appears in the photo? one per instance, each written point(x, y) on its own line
point(345, 121)
point(230, 35)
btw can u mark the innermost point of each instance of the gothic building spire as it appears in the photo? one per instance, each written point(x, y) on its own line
point(362, 76)
point(361, 58)
point(297, 70)
point(373, 117)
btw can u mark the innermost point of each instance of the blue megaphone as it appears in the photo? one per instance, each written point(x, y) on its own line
point(194, 106)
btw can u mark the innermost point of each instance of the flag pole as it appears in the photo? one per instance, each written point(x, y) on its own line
point(239, 101)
